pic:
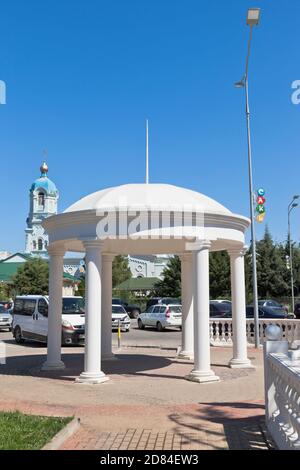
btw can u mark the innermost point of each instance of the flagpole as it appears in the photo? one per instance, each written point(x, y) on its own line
point(147, 153)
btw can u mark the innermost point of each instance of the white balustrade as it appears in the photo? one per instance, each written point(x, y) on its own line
point(282, 394)
point(221, 330)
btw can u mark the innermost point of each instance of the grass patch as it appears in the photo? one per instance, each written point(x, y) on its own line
point(28, 432)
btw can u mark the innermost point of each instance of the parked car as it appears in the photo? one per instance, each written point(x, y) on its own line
point(276, 306)
point(163, 300)
point(119, 314)
point(30, 319)
point(265, 312)
point(132, 309)
point(297, 309)
point(5, 318)
point(219, 309)
point(8, 305)
point(222, 301)
point(161, 316)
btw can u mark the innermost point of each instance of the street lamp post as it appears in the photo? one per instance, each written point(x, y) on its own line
point(291, 206)
point(252, 20)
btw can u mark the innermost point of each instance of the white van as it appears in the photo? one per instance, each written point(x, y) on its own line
point(30, 319)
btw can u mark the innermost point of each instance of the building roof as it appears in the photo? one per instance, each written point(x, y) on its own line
point(162, 197)
point(138, 283)
point(43, 182)
point(17, 255)
point(8, 270)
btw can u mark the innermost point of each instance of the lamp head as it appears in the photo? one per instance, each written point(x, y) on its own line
point(253, 16)
point(240, 83)
point(296, 197)
point(295, 204)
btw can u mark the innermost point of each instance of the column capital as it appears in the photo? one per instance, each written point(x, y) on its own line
point(187, 256)
point(92, 243)
point(54, 250)
point(108, 257)
point(238, 251)
point(198, 245)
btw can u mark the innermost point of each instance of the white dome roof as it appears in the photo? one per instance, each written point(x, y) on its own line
point(148, 197)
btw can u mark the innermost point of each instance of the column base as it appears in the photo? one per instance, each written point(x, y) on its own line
point(108, 357)
point(240, 364)
point(92, 378)
point(183, 354)
point(59, 365)
point(202, 377)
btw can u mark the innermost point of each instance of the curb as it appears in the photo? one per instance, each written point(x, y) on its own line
point(64, 434)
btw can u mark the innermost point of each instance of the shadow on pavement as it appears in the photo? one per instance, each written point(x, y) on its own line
point(125, 364)
point(242, 425)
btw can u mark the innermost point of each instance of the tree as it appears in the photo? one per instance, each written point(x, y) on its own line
point(32, 277)
point(170, 284)
point(284, 250)
point(271, 268)
point(120, 270)
point(219, 275)
point(5, 291)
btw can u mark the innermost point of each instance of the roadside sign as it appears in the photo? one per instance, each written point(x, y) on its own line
point(260, 208)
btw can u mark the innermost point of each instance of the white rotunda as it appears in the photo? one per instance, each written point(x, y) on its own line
point(147, 219)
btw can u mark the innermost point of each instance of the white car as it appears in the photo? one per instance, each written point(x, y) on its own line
point(5, 318)
point(119, 314)
point(30, 319)
point(161, 316)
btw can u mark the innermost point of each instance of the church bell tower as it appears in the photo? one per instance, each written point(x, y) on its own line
point(43, 198)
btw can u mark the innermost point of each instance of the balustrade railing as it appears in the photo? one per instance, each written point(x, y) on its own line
point(221, 330)
point(282, 392)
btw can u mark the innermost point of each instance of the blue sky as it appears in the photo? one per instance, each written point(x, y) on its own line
point(82, 77)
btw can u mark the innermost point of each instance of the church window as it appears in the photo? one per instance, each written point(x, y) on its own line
point(41, 200)
point(34, 244)
point(40, 244)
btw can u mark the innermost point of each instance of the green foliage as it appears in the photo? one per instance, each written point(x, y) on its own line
point(32, 277)
point(5, 291)
point(120, 270)
point(28, 432)
point(170, 284)
point(81, 286)
point(219, 275)
point(271, 268)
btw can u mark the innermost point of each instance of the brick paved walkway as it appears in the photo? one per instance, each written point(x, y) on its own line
point(146, 404)
point(243, 436)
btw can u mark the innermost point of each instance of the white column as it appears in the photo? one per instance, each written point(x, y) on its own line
point(202, 371)
point(240, 358)
point(106, 313)
point(92, 359)
point(54, 361)
point(187, 292)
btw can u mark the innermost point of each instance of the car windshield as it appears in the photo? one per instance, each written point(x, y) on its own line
point(3, 309)
point(73, 305)
point(175, 308)
point(222, 306)
point(118, 309)
point(170, 300)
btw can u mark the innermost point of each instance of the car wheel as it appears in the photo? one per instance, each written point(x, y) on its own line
point(18, 335)
point(135, 313)
point(140, 324)
point(159, 326)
